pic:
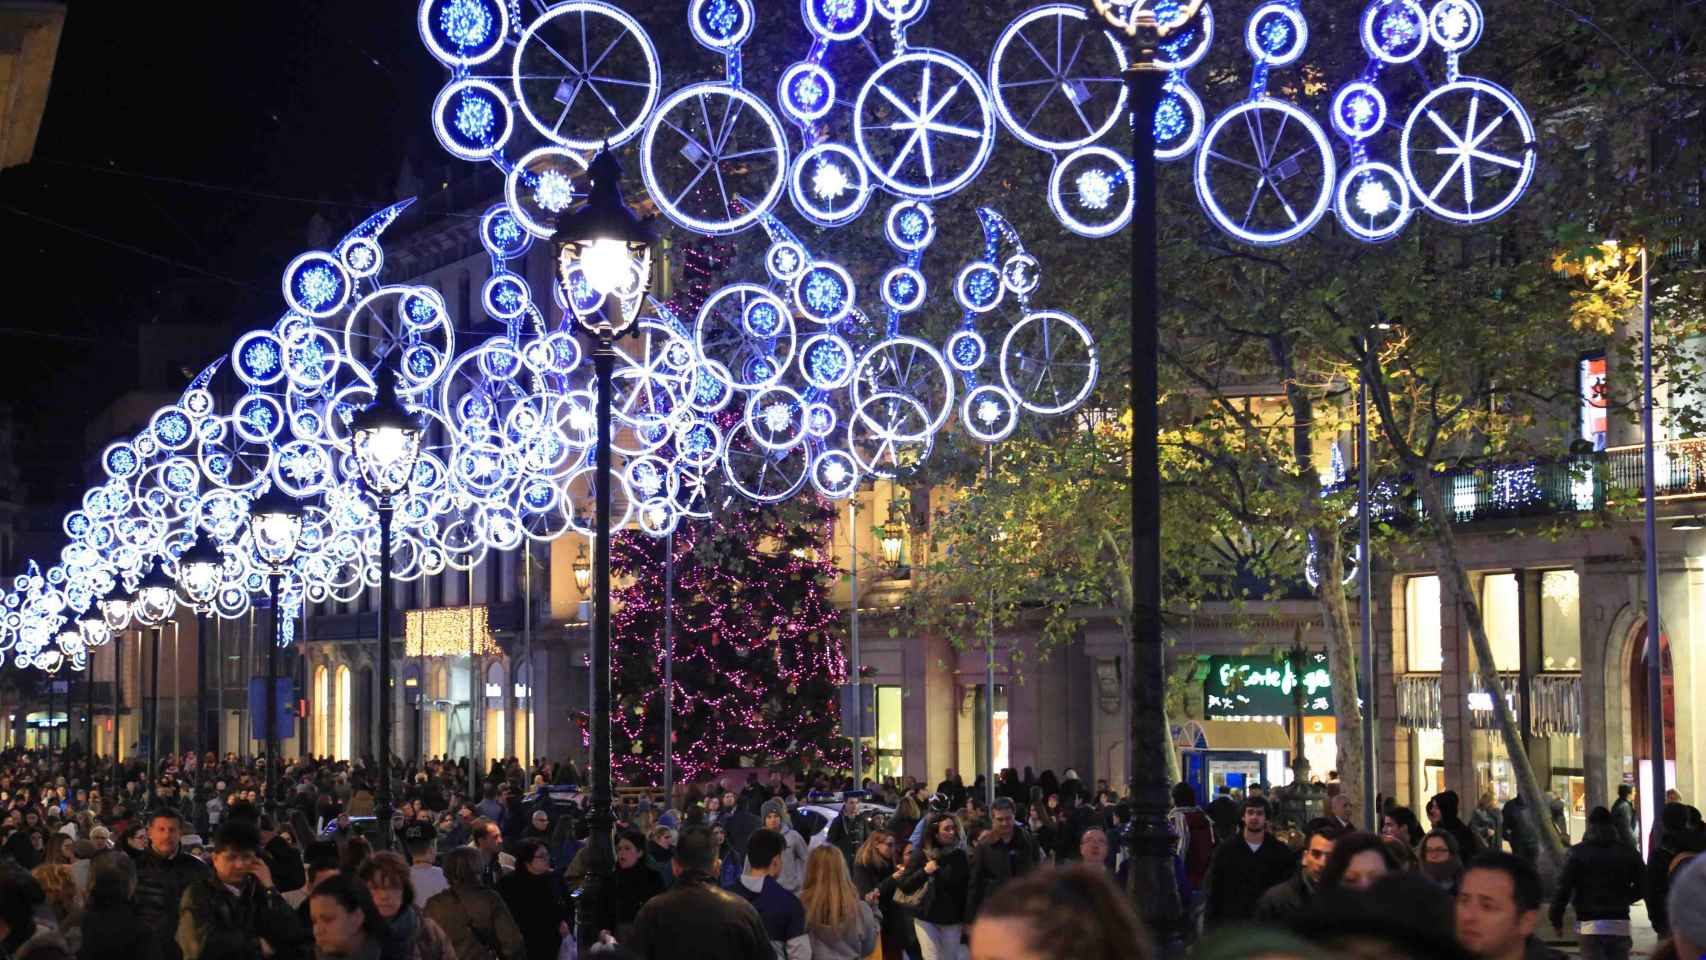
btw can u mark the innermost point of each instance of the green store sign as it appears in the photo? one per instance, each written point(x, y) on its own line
point(1261, 686)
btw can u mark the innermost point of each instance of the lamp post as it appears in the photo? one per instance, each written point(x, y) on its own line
point(1150, 880)
point(92, 630)
point(1655, 648)
point(199, 575)
point(156, 601)
point(387, 443)
point(603, 262)
point(115, 610)
point(275, 525)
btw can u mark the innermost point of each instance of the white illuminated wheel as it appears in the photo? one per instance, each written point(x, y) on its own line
point(1373, 202)
point(1179, 121)
point(907, 367)
point(924, 124)
point(411, 322)
point(828, 184)
point(1091, 191)
point(585, 75)
point(1048, 362)
point(1265, 172)
point(889, 434)
point(989, 412)
point(541, 186)
point(1468, 151)
point(708, 148)
point(650, 376)
point(1055, 76)
point(744, 337)
point(763, 474)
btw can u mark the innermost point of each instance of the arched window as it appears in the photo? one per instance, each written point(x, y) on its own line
point(523, 699)
point(322, 733)
point(345, 701)
point(493, 697)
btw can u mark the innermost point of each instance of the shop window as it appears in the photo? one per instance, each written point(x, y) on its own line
point(1421, 624)
point(1501, 612)
point(341, 751)
point(889, 717)
point(1560, 620)
point(322, 711)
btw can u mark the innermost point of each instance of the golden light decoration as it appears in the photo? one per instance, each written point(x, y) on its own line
point(446, 631)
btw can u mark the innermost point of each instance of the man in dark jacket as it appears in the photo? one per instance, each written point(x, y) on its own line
point(163, 873)
point(237, 911)
point(1624, 816)
point(1518, 831)
point(1004, 852)
point(1244, 867)
point(1280, 904)
point(1602, 877)
point(1468, 844)
point(738, 824)
point(1223, 813)
point(1674, 839)
point(720, 925)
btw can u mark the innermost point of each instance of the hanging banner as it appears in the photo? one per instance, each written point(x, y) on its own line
point(1260, 686)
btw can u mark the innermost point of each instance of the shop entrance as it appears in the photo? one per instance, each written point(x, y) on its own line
point(1640, 725)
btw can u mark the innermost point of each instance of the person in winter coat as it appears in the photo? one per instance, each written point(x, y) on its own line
point(534, 895)
point(1244, 867)
point(1004, 852)
point(347, 926)
point(1446, 806)
point(780, 912)
point(1624, 815)
point(632, 884)
point(1289, 899)
point(1675, 840)
point(111, 928)
point(842, 924)
point(737, 823)
point(876, 872)
point(21, 938)
point(717, 923)
point(1518, 831)
point(407, 934)
point(163, 872)
point(728, 861)
point(941, 862)
point(794, 849)
point(236, 906)
point(1602, 877)
point(847, 833)
point(480, 927)
point(1440, 862)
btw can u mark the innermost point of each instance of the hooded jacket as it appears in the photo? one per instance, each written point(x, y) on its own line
point(794, 851)
point(1468, 844)
point(1601, 876)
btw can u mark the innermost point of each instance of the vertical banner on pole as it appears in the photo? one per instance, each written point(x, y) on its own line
point(285, 713)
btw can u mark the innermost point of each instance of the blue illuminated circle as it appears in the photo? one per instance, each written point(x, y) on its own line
point(1359, 110)
point(1394, 31)
point(904, 289)
point(472, 119)
point(1265, 172)
point(1179, 122)
point(585, 75)
point(420, 308)
point(541, 186)
point(820, 420)
point(965, 350)
point(505, 296)
point(1090, 191)
point(1276, 34)
point(924, 124)
point(989, 413)
point(978, 288)
point(720, 24)
point(1372, 202)
point(1186, 44)
point(785, 260)
point(120, 460)
point(501, 235)
point(836, 19)
point(828, 184)
point(806, 91)
point(361, 256)
point(764, 319)
point(258, 418)
point(1055, 77)
point(824, 292)
point(463, 33)
point(1455, 24)
point(258, 358)
point(775, 417)
point(826, 361)
point(316, 285)
point(911, 226)
point(171, 428)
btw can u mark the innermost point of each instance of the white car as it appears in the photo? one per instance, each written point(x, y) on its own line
point(820, 815)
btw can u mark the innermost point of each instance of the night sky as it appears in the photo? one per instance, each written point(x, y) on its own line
point(181, 159)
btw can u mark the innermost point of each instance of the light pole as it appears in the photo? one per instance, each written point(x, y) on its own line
point(199, 575)
point(1655, 651)
point(1365, 602)
point(275, 525)
point(156, 601)
point(115, 610)
point(387, 442)
point(603, 254)
point(93, 631)
point(1150, 881)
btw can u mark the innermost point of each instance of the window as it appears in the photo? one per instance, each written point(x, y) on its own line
point(1421, 624)
point(493, 700)
point(437, 720)
point(322, 711)
point(1501, 612)
point(523, 699)
point(1560, 620)
point(341, 750)
point(889, 716)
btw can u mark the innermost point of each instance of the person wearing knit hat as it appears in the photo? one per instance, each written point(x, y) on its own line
point(793, 876)
point(1688, 908)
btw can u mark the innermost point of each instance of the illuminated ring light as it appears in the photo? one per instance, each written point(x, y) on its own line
point(502, 235)
point(737, 214)
point(258, 359)
point(1394, 31)
point(541, 186)
point(884, 435)
point(910, 226)
point(775, 418)
point(1077, 41)
point(361, 256)
point(463, 33)
point(542, 82)
point(374, 329)
point(826, 361)
point(836, 19)
point(820, 420)
point(1184, 48)
point(893, 367)
point(1298, 218)
point(692, 491)
point(1090, 192)
point(698, 443)
point(316, 285)
point(806, 91)
point(1020, 274)
point(658, 517)
point(760, 474)
point(1469, 146)
point(825, 292)
point(505, 296)
point(713, 386)
point(472, 119)
point(197, 403)
point(1359, 110)
point(834, 474)
point(720, 25)
point(978, 287)
point(302, 469)
point(785, 260)
point(904, 289)
point(171, 428)
point(257, 418)
point(989, 413)
point(966, 350)
point(649, 476)
point(1276, 34)
point(311, 360)
point(900, 11)
point(828, 184)
point(929, 106)
point(120, 460)
point(1373, 202)
point(1179, 122)
point(1032, 368)
point(1455, 24)
point(711, 326)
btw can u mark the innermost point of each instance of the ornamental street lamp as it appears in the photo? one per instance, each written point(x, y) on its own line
point(115, 610)
point(199, 572)
point(894, 539)
point(1150, 881)
point(387, 443)
point(275, 524)
point(156, 601)
point(92, 629)
point(604, 254)
point(583, 570)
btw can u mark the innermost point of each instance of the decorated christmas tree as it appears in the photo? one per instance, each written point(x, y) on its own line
point(757, 645)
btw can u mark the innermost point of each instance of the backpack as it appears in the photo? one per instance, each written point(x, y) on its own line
point(1199, 850)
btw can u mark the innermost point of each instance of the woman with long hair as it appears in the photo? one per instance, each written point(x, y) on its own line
point(408, 934)
point(347, 925)
point(534, 895)
point(110, 928)
point(1440, 862)
point(876, 870)
point(842, 925)
point(941, 864)
point(1074, 913)
point(1357, 861)
point(471, 914)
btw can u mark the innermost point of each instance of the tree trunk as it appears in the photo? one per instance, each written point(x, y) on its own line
point(1341, 663)
point(1450, 564)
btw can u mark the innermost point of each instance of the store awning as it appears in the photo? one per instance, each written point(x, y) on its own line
point(1231, 735)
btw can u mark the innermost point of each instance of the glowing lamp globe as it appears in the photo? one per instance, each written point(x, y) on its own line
point(115, 608)
point(92, 624)
point(583, 570)
point(156, 599)
point(894, 538)
point(199, 571)
point(275, 524)
point(387, 440)
point(603, 244)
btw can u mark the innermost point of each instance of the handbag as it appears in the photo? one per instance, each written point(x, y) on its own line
point(915, 899)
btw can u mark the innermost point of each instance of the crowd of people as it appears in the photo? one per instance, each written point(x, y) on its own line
point(103, 860)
